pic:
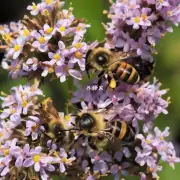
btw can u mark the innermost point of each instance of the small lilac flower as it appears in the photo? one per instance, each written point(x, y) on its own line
point(62, 72)
point(25, 33)
point(41, 42)
point(100, 166)
point(5, 133)
point(37, 159)
point(21, 155)
point(67, 14)
point(145, 21)
point(17, 46)
point(135, 20)
point(64, 160)
point(48, 67)
point(31, 64)
point(34, 9)
point(115, 171)
point(47, 31)
point(80, 29)
point(32, 127)
point(49, 2)
point(60, 54)
point(161, 3)
point(62, 26)
point(77, 53)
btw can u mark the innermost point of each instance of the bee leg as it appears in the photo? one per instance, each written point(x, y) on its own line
point(75, 141)
point(100, 75)
point(91, 143)
point(99, 82)
point(112, 83)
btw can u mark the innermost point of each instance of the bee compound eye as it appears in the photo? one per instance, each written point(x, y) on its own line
point(57, 130)
point(101, 59)
point(86, 122)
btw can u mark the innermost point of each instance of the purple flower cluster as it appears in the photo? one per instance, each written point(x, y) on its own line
point(37, 141)
point(138, 25)
point(130, 103)
point(154, 147)
point(27, 144)
point(49, 42)
point(21, 130)
point(134, 104)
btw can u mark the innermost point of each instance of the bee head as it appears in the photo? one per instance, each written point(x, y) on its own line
point(98, 59)
point(58, 131)
point(86, 122)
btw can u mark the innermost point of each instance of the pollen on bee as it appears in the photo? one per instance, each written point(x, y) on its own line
point(113, 83)
point(67, 117)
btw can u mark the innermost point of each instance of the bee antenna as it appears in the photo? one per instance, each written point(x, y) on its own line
point(69, 129)
point(73, 124)
point(87, 71)
point(74, 115)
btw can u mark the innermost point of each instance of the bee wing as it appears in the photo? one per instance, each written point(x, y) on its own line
point(117, 56)
point(49, 112)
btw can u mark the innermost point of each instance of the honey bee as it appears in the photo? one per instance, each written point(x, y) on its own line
point(118, 65)
point(100, 132)
point(55, 126)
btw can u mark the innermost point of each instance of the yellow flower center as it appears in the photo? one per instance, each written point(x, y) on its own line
point(7, 37)
point(78, 45)
point(65, 160)
point(6, 152)
point(79, 55)
point(163, 34)
point(13, 111)
point(1, 134)
point(26, 32)
point(56, 56)
point(144, 17)
point(161, 1)
point(137, 19)
point(24, 103)
point(36, 158)
point(49, 30)
point(78, 28)
point(169, 13)
point(34, 128)
point(45, 12)
point(48, 1)
point(34, 7)
point(67, 117)
point(62, 29)
point(161, 138)
point(16, 47)
point(17, 68)
point(51, 70)
point(42, 40)
point(148, 141)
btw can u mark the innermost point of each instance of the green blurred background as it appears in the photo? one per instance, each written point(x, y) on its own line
point(167, 67)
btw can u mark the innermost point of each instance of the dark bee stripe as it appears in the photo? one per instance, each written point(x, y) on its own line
point(134, 77)
point(127, 72)
point(118, 129)
point(114, 67)
point(113, 130)
point(121, 69)
point(129, 136)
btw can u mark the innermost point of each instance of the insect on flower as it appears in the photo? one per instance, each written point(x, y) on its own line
point(118, 65)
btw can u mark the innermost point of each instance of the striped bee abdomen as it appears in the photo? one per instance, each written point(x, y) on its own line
point(121, 130)
point(125, 72)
